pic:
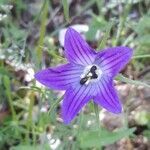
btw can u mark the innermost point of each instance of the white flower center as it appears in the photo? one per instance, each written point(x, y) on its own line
point(91, 73)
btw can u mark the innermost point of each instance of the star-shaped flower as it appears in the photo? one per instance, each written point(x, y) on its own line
point(87, 75)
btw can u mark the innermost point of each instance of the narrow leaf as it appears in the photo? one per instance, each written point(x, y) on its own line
point(91, 139)
point(66, 9)
point(141, 56)
point(120, 77)
point(42, 31)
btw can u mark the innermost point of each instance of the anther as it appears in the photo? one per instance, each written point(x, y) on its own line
point(94, 76)
point(93, 68)
point(83, 80)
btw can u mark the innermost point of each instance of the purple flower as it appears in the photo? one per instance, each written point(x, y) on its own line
point(88, 75)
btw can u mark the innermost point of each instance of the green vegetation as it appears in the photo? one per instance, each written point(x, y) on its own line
point(30, 113)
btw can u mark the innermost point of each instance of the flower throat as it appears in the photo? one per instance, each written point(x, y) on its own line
point(90, 75)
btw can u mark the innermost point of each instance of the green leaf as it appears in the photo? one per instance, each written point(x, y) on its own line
point(106, 36)
point(120, 77)
point(4, 71)
point(144, 40)
point(147, 134)
point(143, 26)
point(66, 9)
point(98, 23)
point(25, 147)
point(42, 31)
point(7, 83)
point(90, 139)
point(142, 117)
point(141, 56)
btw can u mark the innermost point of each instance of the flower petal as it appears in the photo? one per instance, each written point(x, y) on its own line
point(74, 100)
point(61, 77)
point(77, 50)
point(107, 96)
point(112, 60)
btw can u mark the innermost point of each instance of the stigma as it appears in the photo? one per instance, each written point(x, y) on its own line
point(90, 74)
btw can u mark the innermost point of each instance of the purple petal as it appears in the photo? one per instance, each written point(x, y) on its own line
point(112, 60)
point(74, 100)
point(77, 50)
point(61, 77)
point(107, 96)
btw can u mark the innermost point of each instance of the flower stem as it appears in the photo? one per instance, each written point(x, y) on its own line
point(96, 109)
point(97, 117)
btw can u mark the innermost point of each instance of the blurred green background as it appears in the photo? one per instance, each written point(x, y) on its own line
point(32, 38)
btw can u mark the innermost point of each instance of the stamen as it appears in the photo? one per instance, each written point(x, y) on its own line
point(91, 74)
